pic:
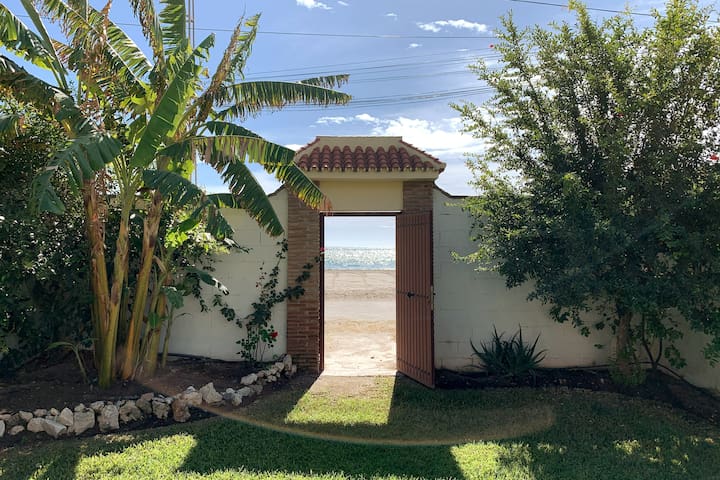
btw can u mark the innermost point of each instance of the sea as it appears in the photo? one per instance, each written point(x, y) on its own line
point(357, 258)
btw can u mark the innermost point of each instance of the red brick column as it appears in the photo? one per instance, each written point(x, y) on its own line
point(303, 314)
point(418, 196)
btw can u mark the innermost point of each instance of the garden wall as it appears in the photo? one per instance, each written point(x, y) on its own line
point(208, 334)
point(469, 303)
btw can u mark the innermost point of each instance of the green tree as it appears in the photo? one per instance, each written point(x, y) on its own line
point(600, 181)
point(163, 115)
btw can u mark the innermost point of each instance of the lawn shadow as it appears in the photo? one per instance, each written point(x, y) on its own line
point(608, 436)
point(359, 450)
point(407, 434)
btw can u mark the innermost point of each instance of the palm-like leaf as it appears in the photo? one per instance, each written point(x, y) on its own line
point(172, 20)
point(275, 159)
point(121, 57)
point(166, 118)
point(249, 98)
point(328, 81)
point(183, 193)
point(10, 125)
point(229, 68)
point(144, 11)
point(46, 97)
point(87, 151)
point(37, 49)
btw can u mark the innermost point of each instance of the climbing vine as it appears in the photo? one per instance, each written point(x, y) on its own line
point(261, 333)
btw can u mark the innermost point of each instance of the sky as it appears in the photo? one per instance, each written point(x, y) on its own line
point(407, 61)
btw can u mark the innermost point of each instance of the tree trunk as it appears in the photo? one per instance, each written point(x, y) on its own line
point(622, 339)
point(95, 231)
point(150, 234)
point(153, 342)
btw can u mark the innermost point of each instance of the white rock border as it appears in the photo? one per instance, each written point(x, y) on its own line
point(106, 416)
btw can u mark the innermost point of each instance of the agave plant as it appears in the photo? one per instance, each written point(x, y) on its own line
point(145, 120)
point(510, 357)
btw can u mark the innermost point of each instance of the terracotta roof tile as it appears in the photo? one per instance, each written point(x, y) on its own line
point(369, 159)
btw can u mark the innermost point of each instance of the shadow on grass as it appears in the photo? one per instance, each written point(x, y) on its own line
point(592, 436)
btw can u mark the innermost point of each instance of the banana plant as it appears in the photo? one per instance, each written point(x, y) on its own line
point(171, 117)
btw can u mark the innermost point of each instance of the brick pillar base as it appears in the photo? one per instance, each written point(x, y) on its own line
point(303, 314)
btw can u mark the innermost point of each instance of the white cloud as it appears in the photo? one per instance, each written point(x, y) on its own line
point(392, 15)
point(344, 4)
point(333, 120)
point(429, 27)
point(461, 24)
point(312, 4)
point(294, 146)
point(366, 117)
point(415, 45)
point(441, 139)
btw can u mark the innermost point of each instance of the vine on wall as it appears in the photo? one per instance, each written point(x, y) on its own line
point(261, 333)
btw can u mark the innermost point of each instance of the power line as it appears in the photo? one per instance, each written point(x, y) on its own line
point(474, 53)
point(594, 9)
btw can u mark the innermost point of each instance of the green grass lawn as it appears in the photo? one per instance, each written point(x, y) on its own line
point(396, 429)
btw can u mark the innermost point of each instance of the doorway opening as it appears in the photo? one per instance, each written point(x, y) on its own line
point(358, 291)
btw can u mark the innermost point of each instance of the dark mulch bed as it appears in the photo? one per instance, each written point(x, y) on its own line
point(658, 386)
point(41, 385)
point(45, 385)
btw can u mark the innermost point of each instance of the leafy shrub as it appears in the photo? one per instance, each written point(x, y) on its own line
point(509, 357)
point(44, 294)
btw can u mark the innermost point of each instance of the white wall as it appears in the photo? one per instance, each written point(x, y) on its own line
point(208, 333)
point(469, 303)
point(698, 371)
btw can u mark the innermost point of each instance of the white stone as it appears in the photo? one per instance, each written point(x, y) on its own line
point(293, 370)
point(181, 410)
point(83, 421)
point(143, 403)
point(129, 412)
point(257, 388)
point(14, 420)
point(249, 379)
point(54, 412)
point(2, 428)
point(36, 425)
point(279, 366)
point(25, 416)
point(261, 374)
point(287, 361)
point(5, 416)
point(40, 412)
point(192, 397)
point(228, 395)
point(66, 417)
point(54, 429)
point(246, 391)
point(210, 395)
point(109, 418)
point(97, 406)
point(16, 429)
point(80, 408)
point(160, 409)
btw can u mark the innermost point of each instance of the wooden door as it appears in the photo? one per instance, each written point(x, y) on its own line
point(414, 302)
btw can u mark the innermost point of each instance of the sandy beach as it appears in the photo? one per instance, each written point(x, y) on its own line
point(359, 322)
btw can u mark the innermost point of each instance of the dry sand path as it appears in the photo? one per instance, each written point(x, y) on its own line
point(359, 322)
